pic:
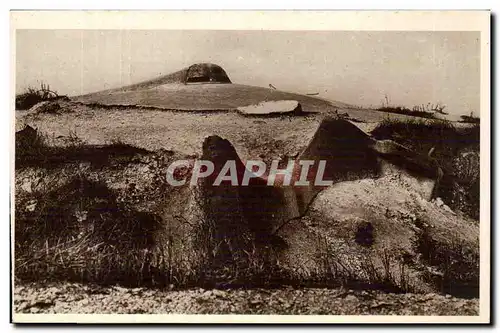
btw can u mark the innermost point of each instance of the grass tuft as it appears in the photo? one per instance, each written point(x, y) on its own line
point(33, 96)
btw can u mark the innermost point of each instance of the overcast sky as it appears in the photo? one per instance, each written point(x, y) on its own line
point(353, 67)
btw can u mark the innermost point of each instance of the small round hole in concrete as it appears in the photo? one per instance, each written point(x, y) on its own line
point(365, 234)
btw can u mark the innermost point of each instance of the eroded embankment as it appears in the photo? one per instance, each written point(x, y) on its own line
point(374, 227)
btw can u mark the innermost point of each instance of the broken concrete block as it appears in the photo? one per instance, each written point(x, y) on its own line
point(272, 107)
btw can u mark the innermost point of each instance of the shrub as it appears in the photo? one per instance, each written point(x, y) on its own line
point(406, 111)
point(34, 149)
point(470, 119)
point(456, 150)
point(34, 96)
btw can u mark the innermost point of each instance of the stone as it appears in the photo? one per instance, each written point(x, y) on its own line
point(31, 206)
point(272, 107)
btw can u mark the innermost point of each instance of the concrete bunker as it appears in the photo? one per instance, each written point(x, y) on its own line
point(205, 73)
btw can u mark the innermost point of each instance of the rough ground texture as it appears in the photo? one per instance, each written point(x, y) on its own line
point(77, 298)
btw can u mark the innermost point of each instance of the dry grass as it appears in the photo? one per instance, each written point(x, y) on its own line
point(457, 263)
point(79, 231)
point(380, 271)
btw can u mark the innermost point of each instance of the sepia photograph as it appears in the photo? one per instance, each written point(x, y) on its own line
point(313, 167)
